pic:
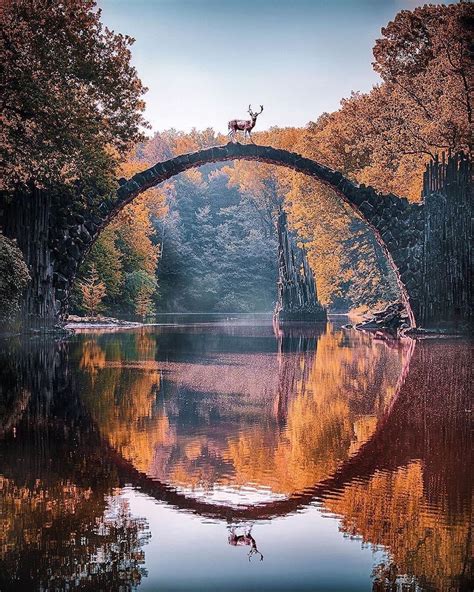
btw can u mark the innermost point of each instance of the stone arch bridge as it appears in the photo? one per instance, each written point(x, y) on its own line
point(399, 226)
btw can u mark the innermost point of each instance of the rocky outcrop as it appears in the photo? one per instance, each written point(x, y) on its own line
point(297, 297)
point(392, 319)
point(447, 254)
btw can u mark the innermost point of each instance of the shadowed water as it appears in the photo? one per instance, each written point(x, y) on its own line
point(228, 455)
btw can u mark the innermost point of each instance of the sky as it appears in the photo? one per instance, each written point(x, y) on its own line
point(204, 61)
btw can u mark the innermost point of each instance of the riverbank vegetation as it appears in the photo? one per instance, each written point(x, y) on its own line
point(14, 277)
point(72, 107)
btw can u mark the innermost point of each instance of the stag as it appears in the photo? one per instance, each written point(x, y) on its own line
point(236, 540)
point(244, 125)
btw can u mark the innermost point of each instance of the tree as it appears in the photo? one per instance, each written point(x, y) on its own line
point(423, 106)
point(14, 277)
point(143, 303)
point(217, 253)
point(137, 285)
point(93, 291)
point(126, 255)
point(71, 100)
point(425, 59)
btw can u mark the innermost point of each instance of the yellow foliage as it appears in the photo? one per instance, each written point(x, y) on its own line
point(392, 510)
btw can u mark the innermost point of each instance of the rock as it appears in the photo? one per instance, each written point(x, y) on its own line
point(74, 251)
point(393, 318)
point(60, 281)
point(77, 322)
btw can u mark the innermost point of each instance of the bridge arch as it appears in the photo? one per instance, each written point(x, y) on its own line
point(395, 222)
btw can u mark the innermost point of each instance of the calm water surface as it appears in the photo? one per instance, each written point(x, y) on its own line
point(227, 456)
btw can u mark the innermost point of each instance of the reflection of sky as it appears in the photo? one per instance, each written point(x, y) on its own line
point(233, 496)
point(304, 551)
point(204, 61)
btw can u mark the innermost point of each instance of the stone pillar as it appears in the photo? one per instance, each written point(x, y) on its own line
point(297, 295)
point(27, 219)
point(446, 278)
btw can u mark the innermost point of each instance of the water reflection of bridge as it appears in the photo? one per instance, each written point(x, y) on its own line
point(296, 399)
point(405, 488)
point(421, 434)
point(377, 454)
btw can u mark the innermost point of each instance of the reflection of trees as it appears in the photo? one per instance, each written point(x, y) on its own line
point(93, 357)
point(417, 502)
point(330, 388)
point(62, 523)
point(122, 405)
point(282, 421)
point(122, 400)
point(420, 505)
point(392, 510)
point(68, 537)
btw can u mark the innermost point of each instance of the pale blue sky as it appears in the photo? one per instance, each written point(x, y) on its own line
point(204, 61)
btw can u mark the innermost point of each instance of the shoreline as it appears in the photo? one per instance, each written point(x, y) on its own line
point(75, 324)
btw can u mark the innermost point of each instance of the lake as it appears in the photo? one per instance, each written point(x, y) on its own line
point(222, 453)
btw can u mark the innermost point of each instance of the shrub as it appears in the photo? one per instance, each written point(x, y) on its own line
point(14, 277)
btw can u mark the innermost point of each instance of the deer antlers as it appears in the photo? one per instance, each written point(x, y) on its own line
point(255, 114)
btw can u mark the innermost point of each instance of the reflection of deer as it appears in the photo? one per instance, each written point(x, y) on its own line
point(244, 539)
point(244, 125)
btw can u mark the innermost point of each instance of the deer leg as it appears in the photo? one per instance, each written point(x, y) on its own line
point(254, 551)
